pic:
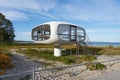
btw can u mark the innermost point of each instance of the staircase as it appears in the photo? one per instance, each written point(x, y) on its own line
point(83, 45)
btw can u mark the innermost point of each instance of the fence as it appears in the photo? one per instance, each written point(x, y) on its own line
point(57, 73)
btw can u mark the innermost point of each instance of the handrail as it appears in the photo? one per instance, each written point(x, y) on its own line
point(84, 43)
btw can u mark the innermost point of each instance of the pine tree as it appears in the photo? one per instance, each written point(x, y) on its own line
point(6, 30)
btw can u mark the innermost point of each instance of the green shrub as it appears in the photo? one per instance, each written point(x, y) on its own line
point(67, 60)
point(96, 66)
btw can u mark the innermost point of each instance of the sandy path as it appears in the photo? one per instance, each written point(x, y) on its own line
point(22, 64)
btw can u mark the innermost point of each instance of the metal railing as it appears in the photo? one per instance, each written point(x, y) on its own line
point(65, 72)
point(44, 73)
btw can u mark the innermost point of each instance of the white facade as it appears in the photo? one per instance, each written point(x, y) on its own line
point(58, 33)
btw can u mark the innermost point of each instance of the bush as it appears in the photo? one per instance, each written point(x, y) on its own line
point(5, 63)
point(96, 66)
point(66, 60)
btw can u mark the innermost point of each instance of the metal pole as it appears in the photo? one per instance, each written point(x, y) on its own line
point(33, 73)
point(73, 70)
point(70, 51)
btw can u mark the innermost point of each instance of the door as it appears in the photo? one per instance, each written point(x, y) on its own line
point(73, 33)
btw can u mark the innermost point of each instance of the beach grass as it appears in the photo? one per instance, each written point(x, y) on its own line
point(48, 55)
point(46, 52)
point(109, 51)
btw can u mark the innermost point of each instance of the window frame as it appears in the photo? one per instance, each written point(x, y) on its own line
point(43, 36)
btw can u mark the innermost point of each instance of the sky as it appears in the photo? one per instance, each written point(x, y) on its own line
point(100, 18)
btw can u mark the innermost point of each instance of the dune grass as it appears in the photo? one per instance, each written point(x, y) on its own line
point(109, 51)
point(46, 54)
point(65, 58)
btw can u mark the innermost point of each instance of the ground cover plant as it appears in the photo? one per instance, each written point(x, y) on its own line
point(95, 66)
point(5, 62)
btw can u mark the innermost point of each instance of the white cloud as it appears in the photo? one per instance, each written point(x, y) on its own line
point(16, 15)
point(91, 10)
point(17, 10)
point(25, 5)
point(83, 10)
point(103, 30)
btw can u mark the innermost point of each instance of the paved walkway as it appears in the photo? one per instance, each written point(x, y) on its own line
point(114, 75)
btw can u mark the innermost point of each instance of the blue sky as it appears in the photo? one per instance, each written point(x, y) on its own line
point(100, 18)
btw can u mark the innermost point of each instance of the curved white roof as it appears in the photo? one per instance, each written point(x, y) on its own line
point(58, 22)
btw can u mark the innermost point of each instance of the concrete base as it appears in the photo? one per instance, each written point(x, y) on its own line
point(57, 51)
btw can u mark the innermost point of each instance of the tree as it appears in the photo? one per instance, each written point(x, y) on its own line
point(6, 30)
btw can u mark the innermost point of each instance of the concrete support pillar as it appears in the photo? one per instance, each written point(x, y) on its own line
point(57, 50)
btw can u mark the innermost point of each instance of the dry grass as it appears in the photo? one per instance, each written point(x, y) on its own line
point(110, 51)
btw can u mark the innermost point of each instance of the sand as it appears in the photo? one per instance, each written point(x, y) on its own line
point(81, 72)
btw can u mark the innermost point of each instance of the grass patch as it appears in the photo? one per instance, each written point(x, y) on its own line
point(48, 55)
point(87, 57)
